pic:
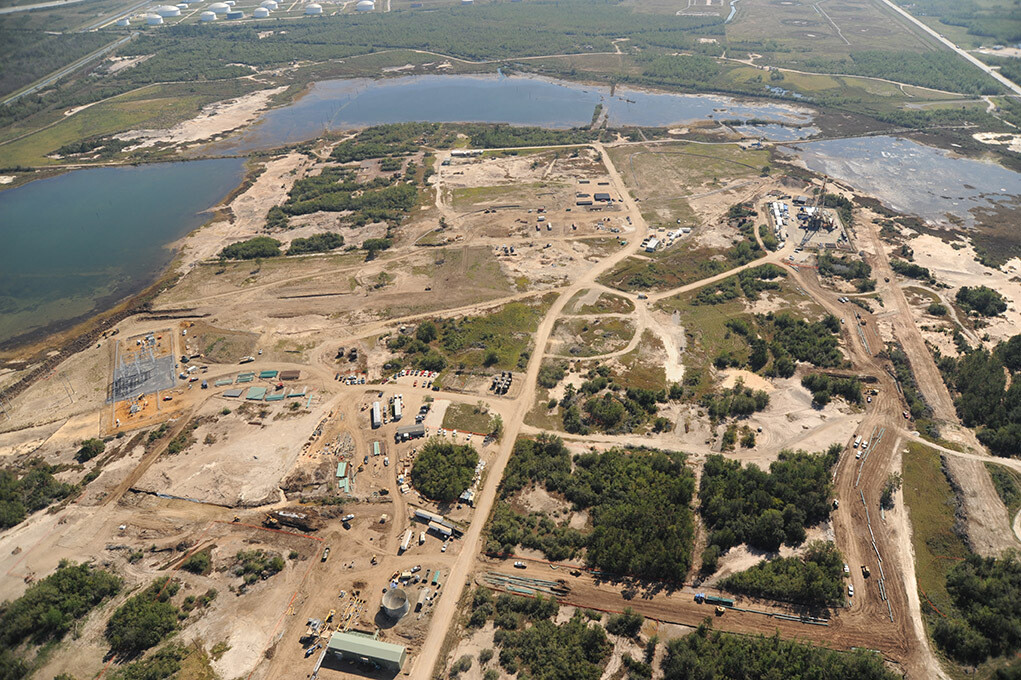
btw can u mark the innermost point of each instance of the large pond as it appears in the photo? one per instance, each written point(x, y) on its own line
point(358, 102)
point(77, 243)
point(913, 178)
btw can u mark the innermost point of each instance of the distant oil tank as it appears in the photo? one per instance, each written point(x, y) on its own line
point(313, 8)
point(219, 7)
point(153, 19)
point(271, 5)
point(207, 16)
point(395, 603)
point(365, 6)
point(260, 13)
point(168, 11)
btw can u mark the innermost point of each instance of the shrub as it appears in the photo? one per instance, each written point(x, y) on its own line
point(144, 620)
point(90, 449)
point(260, 246)
point(443, 470)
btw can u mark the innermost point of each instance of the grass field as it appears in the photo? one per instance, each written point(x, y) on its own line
point(468, 418)
point(155, 107)
point(676, 266)
point(606, 303)
point(932, 504)
point(642, 367)
point(591, 337)
point(466, 198)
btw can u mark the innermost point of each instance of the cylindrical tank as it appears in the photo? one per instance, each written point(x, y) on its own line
point(365, 6)
point(395, 603)
point(313, 8)
point(168, 11)
point(124, 22)
point(153, 19)
point(207, 16)
point(235, 14)
point(260, 13)
point(271, 5)
point(219, 7)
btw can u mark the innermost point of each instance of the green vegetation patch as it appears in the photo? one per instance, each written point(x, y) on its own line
point(252, 249)
point(706, 653)
point(253, 565)
point(500, 340)
point(1008, 487)
point(592, 337)
point(51, 606)
point(317, 243)
point(932, 504)
point(764, 509)
point(471, 418)
point(602, 403)
point(815, 578)
point(824, 387)
point(144, 620)
point(983, 399)
point(444, 470)
point(637, 501)
point(383, 199)
point(530, 642)
point(34, 490)
point(606, 303)
point(981, 300)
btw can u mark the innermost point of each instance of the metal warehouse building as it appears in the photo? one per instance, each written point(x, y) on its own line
point(355, 647)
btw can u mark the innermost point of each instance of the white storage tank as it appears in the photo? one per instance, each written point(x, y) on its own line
point(235, 14)
point(313, 8)
point(153, 19)
point(168, 11)
point(124, 22)
point(365, 6)
point(219, 7)
point(207, 16)
point(271, 5)
point(260, 13)
point(182, 6)
point(395, 603)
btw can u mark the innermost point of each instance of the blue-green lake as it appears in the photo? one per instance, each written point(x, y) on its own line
point(77, 243)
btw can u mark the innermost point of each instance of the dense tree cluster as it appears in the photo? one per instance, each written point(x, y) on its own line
point(551, 373)
point(911, 270)
point(316, 243)
point(253, 248)
point(824, 387)
point(637, 501)
point(337, 190)
point(939, 69)
point(980, 379)
point(844, 266)
point(981, 300)
point(394, 139)
point(998, 21)
point(765, 509)
point(52, 605)
point(144, 620)
point(34, 490)
point(737, 401)
point(602, 404)
point(710, 655)
point(252, 565)
point(985, 592)
point(498, 340)
point(748, 283)
point(90, 448)
point(906, 378)
point(815, 578)
point(26, 55)
point(444, 470)
point(504, 136)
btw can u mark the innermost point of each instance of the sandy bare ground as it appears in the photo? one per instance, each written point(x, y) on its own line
point(988, 524)
point(214, 120)
point(959, 268)
point(248, 210)
point(1011, 141)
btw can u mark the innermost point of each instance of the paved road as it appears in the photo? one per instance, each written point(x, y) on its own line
point(1009, 84)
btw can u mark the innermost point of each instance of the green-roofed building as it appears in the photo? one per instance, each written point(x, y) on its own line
point(356, 647)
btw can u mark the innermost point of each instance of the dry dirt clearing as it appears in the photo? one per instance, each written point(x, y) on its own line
point(215, 120)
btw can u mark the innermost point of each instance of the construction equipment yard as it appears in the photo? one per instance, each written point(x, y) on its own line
point(262, 436)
